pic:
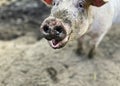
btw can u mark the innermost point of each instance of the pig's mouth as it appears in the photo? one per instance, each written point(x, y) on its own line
point(56, 44)
point(60, 41)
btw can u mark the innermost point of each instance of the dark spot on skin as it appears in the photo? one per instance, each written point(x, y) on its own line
point(68, 22)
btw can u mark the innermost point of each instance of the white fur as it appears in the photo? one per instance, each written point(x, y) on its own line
point(103, 17)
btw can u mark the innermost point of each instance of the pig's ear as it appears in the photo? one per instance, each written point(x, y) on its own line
point(98, 3)
point(48, 2)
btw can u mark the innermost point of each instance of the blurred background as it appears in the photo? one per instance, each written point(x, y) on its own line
point(21, 17)
point(27, 60)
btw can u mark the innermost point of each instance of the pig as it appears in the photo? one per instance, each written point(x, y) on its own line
point(84, 17)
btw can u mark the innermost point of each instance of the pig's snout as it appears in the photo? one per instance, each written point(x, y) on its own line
point(53, 29)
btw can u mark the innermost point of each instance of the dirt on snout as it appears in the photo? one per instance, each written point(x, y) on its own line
point(26, 61)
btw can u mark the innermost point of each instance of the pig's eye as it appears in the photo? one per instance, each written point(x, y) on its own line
point(80, 5)
point(53, 3)
point(56, 3)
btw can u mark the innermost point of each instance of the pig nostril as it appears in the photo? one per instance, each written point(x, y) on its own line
point(46, 29)
point(58, 29)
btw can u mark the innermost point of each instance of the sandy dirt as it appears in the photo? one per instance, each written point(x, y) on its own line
point(26, 61)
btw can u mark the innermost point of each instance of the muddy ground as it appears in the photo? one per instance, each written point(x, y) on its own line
point(27, 60)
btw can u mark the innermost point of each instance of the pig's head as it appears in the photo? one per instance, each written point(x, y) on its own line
point(66, 15)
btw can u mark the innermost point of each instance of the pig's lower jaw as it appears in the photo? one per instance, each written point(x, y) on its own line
point(58, 44)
